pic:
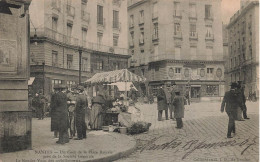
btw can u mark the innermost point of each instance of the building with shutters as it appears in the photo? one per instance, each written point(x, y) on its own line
point(178, 40)
point(64, 29)
point(243, 58)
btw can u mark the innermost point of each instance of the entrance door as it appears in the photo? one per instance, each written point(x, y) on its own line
point(195, 92)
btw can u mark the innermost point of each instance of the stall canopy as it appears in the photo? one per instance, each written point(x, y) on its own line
point(30, 81)
point(122, 75)
point(122, 87)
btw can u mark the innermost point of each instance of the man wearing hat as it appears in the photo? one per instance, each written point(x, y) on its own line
point(162, 103)
point(81, 106)
point(59, 113)
point(230, 103)
point(38, 103)
point(178, 103)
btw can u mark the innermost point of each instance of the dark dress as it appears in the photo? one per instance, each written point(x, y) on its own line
point(96, 121)
point(178, 104)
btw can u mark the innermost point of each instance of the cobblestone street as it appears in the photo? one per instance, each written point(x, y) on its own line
point(203, 137)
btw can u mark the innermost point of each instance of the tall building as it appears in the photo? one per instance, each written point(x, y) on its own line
point(62, 31)
point(179, 40)
point(243, 61)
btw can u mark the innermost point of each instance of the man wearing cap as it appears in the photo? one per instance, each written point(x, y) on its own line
point(162, 103)
point(81, 105)
point(59, 114)
point(230, 103)
point(178, 104)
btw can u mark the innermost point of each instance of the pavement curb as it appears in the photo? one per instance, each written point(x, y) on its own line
point(117, 155)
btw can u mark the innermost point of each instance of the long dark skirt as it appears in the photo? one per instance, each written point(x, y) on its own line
point(96, 117)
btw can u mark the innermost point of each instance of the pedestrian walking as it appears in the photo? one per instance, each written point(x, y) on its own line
point(59, 114)
point(172, 95)
point(96, 117)
point(231, 103)
point(72, 95)
point(178, 104)
point(187, 97)
point(162, 103)
point(81, 105)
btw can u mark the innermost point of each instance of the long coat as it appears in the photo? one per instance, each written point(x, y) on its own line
point(178, 104)
point(59, 112)
point(161, 100)
point(231, 101)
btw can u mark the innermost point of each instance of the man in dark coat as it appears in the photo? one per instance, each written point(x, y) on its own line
point(162, 103)
point(178, 104)
point(230, 103)
point(240, 88)
point(172, 95)
point(59, 114)
point(81, 105)
point(38, 103)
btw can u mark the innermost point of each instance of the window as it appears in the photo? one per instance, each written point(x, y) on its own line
point(69, 83)
point(55, 82)
point(99, 38)
point(208, 13)
point(155, 10)
point(177, 70)
point(155, 31)
point(84, 34)
point(131, 39)
point(69, 29)
point(209, 32)
point(99, 65)
point(177, 51)
point(115, 19)
point(69, 61)
point(131, 20)
point(100, 15)
point(193, 12)
point(55, 58)
point(141, 39)
point(210, 70)
point(84, 64)
point(54, 23)
point(192, 30)
point(177, 28)
point(212, 90)
point(115, 40)
point(177, 11)
point(141, 18)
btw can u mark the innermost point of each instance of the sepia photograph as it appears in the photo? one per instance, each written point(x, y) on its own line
point(129, 80)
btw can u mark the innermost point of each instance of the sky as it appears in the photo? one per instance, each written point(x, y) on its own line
point(229, 8)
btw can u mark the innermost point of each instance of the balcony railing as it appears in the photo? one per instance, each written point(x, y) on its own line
point(177, 34)
point(70, 10)
point(186, 57)
point(85, 16)
point(193, 35)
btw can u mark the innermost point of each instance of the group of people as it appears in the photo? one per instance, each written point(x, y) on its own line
point(68, 111)
point(234, 103)
point(171, 99)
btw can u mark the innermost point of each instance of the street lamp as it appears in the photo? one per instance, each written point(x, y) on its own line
point(80, 57)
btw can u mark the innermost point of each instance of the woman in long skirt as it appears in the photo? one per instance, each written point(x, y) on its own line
point(98, 103)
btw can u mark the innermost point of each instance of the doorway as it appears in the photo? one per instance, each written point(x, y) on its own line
point(195, 92)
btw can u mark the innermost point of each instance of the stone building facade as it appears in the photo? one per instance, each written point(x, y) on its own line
point(172, 40)
point(243, 61)
point(66, 31)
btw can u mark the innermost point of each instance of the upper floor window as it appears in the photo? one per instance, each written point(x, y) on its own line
point(84, 64)
point(193, 12)
point(84, 34)
point(131, 20)
point(210, 70)
point(100, 15)
point(177, 11)
point(155, 30)
point(141, 39)
point(69, 61)
point(99, 64)
point(209, 31)
point(177, 70)
point(55, 58)
point(177, 28)
point(141, 17)
point(54, 23)
point(132, 39)
point(208, 12)
point(192, 30)
point(115, 19)
point(69, 29)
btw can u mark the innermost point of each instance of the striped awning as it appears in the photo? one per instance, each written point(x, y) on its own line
point(122, 75)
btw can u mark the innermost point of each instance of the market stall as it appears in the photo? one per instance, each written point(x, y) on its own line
point(123, 79)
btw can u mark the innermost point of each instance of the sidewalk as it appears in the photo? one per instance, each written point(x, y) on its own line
point(99, 146)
